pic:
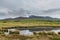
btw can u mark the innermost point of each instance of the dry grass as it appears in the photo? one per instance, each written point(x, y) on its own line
point(28, 23)
point(41, 36)
point(16, 24)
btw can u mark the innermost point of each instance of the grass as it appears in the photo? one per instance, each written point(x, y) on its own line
point(42, 36)
point(28, 22)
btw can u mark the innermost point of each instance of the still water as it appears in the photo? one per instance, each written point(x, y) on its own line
point(41, 29)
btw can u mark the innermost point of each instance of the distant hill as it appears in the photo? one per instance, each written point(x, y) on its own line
point(17, 18)
point(33, 17)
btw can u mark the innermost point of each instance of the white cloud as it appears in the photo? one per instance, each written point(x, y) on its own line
point(4, 10)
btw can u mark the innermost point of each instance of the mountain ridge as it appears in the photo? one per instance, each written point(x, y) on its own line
point(33, 17)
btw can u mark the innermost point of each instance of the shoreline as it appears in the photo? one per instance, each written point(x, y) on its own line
point(33, 28)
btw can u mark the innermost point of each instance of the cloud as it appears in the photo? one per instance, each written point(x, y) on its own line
point(30, 7)
point(4, 10)
point(30, 4)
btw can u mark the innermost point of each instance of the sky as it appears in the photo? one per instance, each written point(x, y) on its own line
point(16, 8)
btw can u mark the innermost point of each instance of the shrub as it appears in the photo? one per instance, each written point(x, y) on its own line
point(16, 21)
point(50, 33)
point(55, 39)
point(4, 22)
point(16, 32)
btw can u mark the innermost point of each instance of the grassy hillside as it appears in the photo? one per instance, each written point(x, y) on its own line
point(29, 22)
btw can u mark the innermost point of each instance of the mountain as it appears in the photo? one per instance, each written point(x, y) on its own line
point(33, 17)
point(45, 18)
